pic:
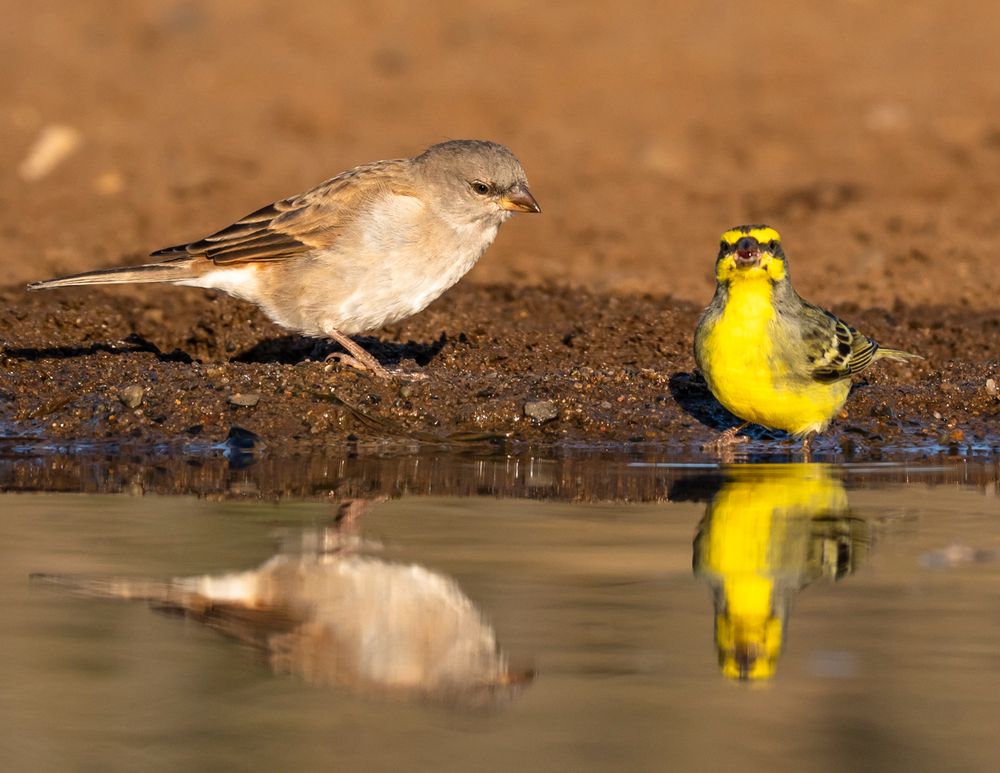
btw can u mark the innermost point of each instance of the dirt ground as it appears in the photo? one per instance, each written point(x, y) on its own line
point(868, 134)
point(599, 368)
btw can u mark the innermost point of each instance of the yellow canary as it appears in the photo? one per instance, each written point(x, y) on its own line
point(768, 356)
point(769, 531)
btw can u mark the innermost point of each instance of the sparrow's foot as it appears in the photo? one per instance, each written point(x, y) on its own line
point(377, 370)
point(401, 375)
point(360, 359)
point(727, 439)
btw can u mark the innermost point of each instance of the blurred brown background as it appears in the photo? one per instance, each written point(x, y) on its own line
point(868, 133)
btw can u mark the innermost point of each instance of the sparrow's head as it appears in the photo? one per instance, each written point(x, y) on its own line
point(480, 180)
point(749, 252)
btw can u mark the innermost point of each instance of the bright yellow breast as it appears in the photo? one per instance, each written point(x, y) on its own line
point(756, 548)
point(748, 374)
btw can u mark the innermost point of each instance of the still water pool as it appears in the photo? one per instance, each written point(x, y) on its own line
point(796, 617)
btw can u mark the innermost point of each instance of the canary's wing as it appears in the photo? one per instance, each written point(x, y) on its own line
point(835, 349)
point(299, 224)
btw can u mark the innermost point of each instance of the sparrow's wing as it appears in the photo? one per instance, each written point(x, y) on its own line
point(836, 350)
point(301, 223)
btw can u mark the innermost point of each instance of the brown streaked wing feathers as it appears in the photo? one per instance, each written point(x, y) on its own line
point(298, 224)
point(840, 350)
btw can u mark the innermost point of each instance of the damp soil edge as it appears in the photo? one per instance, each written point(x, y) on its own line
point(543, 365)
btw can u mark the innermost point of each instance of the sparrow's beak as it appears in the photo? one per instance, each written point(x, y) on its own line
point(519, 199)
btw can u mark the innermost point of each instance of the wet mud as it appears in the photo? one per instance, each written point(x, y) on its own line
point(506, 366)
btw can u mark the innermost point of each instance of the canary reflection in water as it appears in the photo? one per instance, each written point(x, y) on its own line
point(769, 531)
point(336, 618)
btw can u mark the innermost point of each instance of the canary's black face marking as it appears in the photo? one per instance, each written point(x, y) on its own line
point(750, 252)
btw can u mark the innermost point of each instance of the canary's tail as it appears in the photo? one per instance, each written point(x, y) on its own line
point(896, 354)
point(151, 272)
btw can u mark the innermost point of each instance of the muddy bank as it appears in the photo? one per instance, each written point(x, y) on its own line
point(540, 366)
point(373, 472)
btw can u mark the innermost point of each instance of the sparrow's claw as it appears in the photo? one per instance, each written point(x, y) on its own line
point(407, 376)
point(373, 368)
point(356, 356)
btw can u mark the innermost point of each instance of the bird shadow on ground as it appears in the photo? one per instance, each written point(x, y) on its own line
point(292, 350)
point(130, 345)
point(693, 396)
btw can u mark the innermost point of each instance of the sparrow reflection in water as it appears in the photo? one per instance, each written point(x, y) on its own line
point(769, 531)
point(336, 618)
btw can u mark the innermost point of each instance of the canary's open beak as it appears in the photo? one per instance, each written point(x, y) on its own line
point(747, 252)
point(519, 199)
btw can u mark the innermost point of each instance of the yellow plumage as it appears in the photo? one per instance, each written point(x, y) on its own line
point(749, 378)
point(768, 356)
point(769, 531)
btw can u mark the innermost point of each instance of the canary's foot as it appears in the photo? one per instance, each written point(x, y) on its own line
point(806, 448)
point(727, 439)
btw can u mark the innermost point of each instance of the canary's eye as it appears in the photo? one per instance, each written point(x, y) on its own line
point(480, 187)
point(723, 244)
point(772, 245)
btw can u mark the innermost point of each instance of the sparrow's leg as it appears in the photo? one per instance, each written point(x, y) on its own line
point(361, 359)
point(357, 356)
point(728, 438)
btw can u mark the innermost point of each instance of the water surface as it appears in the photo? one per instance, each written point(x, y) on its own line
point(751, 617)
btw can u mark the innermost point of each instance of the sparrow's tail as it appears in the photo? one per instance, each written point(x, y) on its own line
point(105, 587)
point(151, 272)
point(896, 354)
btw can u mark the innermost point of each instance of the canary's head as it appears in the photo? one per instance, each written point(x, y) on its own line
point(750, 252)
point(749, 647)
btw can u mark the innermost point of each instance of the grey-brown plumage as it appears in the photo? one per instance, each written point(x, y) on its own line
point(338, 619)
point(366, 248)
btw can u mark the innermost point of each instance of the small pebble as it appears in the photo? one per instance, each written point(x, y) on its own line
point(406, 391)
point(955, 555)
point(541, 410)
point(132, 395)
point(109, 183)
point(53, 145)
point(244, 399)
point(991, 386)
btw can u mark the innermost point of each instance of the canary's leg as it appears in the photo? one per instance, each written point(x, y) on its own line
point(360, 359)
point(806, 450)
point(727, 438)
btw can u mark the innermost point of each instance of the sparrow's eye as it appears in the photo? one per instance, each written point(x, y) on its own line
point(480, 187)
